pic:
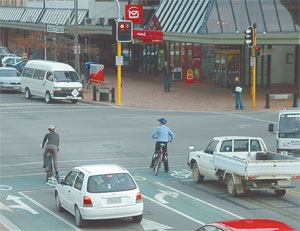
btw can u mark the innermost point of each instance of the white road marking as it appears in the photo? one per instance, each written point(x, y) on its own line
point(251, 118)
point(49, 211)
point(204, 202)
point(85, 160)
point(4, 207)
point(160, 196)
point(20, 204)
point(174, 210)
point(152, 225)
point(52, 111)
point(8, 224)
point(5, 187)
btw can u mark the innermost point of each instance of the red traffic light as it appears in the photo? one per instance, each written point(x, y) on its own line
point(122, 26)
point(257, 51)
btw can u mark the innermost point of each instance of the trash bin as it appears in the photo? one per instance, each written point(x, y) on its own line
point(97, 73)
point(88, 67)
point(104, 94)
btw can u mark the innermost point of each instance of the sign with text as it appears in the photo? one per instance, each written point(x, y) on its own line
point(134, 13)
point(148, 34)
point(55, 29)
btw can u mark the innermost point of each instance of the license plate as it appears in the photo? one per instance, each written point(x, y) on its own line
point(69, 97)
point(16, 87)
point(114, 200)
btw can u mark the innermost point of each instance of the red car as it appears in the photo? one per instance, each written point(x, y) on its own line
point(247, 225)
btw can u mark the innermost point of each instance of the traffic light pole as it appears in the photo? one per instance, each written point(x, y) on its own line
point(254, 68)
point(119, 50)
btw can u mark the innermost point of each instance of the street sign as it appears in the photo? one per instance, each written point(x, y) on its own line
point(76, 49)
point(55, 29)
point(119, 60)
point(252, 61)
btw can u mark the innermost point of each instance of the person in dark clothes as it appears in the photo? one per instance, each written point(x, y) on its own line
point(52, 139)
point(237, 92)
point(167, 72)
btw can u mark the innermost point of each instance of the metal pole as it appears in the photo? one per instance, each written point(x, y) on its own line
point(254, 69)
point(45, 49)
point(119, 11)
point(119, 74)
point(76, 48)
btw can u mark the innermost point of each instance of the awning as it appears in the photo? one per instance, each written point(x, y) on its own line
point(62, 16)
point(81, 15)
point(11, 13)
point(31, 15)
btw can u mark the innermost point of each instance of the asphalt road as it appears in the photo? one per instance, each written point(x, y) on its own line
point(103, 134)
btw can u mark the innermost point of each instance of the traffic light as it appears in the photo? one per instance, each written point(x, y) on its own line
point(249, 36)
point(124, 31)
point(257, 51)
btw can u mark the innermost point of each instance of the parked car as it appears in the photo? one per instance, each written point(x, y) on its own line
point(4, 51)
point(10, 79)
point(103, 191)
point(247, 225)
point(10, 60)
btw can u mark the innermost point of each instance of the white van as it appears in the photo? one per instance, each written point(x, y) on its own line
point(51, 80)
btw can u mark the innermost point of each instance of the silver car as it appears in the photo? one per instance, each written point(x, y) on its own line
point(10, 79)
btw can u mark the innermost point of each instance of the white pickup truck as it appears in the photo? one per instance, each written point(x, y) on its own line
point(244, 163)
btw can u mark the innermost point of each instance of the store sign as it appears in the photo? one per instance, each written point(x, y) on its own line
point(134, 13)
point(148, 34)
point(140, 41)
point(55, 29)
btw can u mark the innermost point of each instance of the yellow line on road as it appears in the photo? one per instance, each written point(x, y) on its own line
point(294, 193)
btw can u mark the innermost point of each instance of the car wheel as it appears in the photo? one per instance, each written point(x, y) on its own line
point(78, 217)
point(74, 101)
point(58, 204)
point(230, 186)
point(47, 97)
point(137, 219)
point(198, 178)
point(280, 192)
point(27, 94)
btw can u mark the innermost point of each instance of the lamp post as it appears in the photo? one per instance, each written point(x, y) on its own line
point(76, 47)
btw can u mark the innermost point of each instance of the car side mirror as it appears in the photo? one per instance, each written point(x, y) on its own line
point(271, 128)
point(191, 148)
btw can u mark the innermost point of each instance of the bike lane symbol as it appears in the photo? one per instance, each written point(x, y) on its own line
point(5, 187)
point(19, 204)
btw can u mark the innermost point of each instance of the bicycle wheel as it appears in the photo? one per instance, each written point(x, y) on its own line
point(47, 171)
point(157, 165)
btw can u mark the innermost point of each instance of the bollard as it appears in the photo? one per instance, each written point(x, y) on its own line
point(295, 98)
point(113, 95)
point(267, 100)
point(94, 93)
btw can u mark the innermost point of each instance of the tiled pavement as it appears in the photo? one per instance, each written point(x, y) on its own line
point(146, 91)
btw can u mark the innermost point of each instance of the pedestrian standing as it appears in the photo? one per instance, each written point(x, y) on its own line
point(237, 92)
point(1, 64)
point(167, 70)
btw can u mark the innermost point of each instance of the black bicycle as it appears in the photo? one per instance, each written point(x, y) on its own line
point(50, 167)
point(159, 158)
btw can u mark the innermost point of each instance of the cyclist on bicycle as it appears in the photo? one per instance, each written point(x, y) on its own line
point(162, 132)
point(51, 147)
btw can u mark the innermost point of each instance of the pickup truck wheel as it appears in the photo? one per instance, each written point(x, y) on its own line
point(280, 192)
point(230, 186)
point(198, 178)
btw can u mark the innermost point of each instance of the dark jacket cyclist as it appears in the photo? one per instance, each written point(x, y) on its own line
point(52, 139)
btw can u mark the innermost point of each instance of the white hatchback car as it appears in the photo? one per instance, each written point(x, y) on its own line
point(102, 191)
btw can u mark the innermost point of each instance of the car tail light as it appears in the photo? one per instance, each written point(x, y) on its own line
point(252, 178)
point(296, 177)
point(87, 202)
point(139, 197)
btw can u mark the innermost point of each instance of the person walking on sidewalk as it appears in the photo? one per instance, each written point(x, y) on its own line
point(51, 147)
point(167, 70)
point(162, 133)
point(237, 92)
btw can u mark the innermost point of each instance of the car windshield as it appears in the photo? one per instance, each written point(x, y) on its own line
point(289, 126)
point(9, 73)
point(110, 183)
point(66, 76)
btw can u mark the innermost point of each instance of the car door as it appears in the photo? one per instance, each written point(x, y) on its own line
point(76, 192)
point(67, 190)
point(48, 83)
point(206, 161)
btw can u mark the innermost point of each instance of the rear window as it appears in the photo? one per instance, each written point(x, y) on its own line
point(110, 183)
point(66, 76)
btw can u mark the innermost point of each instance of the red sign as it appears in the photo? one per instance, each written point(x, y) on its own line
point(148, 34)
point(134, 13)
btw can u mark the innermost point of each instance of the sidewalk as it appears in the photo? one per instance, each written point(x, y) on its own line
point(146, 92)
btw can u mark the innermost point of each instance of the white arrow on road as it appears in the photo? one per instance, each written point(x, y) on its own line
point(152, 225)
point(21, 204)
point(160, 196)
point(4, 207)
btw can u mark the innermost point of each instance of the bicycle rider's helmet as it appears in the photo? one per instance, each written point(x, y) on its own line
point(162, 120)
point(51, 127)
